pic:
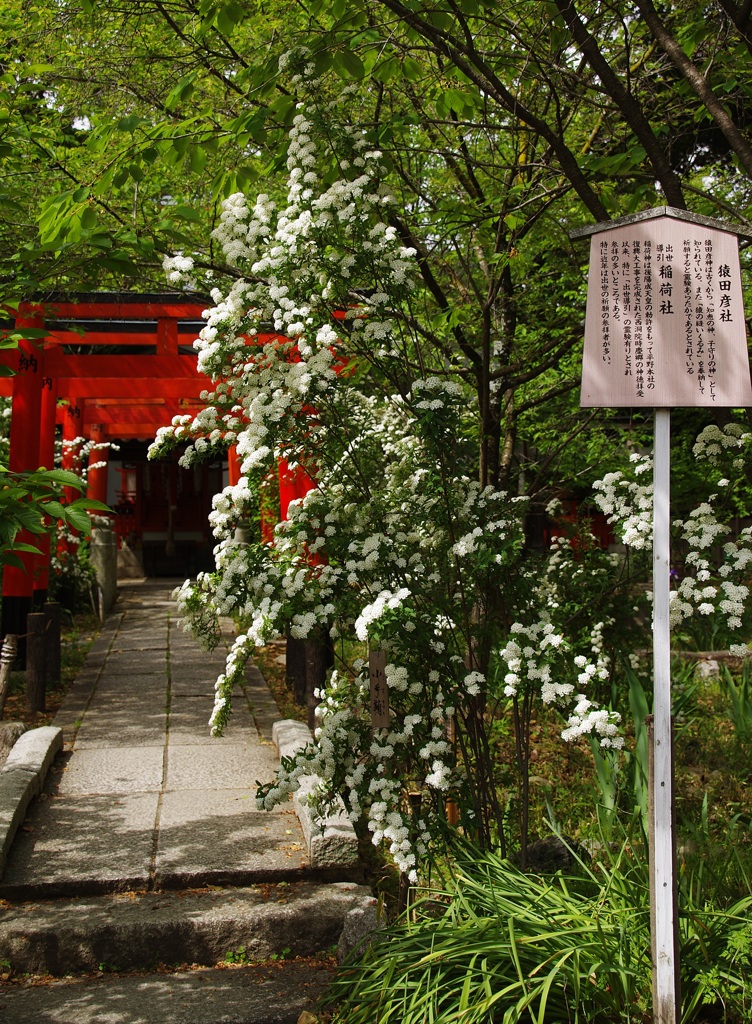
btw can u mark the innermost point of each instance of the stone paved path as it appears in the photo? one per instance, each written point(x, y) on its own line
point(146, 849)
point(144, 797)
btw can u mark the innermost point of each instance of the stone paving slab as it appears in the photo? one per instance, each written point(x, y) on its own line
point(271, 994)
point(82, 844)
point(21, 779)
point(201, 686)
point(193, 668)
point(123, 727)
point(115, 771)
point(121, 675)
point(226, 766)
point(143, 638)
point(210, 837)
point(137, 662)
point(135, 804)
point(189, 722)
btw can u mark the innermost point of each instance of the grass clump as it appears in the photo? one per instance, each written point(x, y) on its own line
point(501, 946)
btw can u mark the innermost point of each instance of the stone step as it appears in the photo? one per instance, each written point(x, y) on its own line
point(139, 931)
point(275, 993)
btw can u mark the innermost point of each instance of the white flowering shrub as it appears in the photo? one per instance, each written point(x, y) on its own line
point(711, 555)
point(316, 357)
point(71, 572)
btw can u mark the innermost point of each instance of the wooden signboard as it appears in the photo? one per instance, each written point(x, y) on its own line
point(664, 327)
point(665, 316)
point(379, 690)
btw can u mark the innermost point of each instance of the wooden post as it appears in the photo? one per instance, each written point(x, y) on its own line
point(316, 664)
point(295, 671)
point(666, 999)
point(52, 662)
point(7, 657)
point(35, 661)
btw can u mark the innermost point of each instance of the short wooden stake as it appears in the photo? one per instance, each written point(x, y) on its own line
point(52, 614)
point(295, 670)
point(316, 663)
point(35, 662)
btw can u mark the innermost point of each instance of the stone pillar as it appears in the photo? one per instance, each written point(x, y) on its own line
point(104, 558)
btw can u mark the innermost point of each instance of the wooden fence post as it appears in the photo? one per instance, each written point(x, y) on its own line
point(35, 661)
point(295, 669)
point(319, 656)
point(52, 615)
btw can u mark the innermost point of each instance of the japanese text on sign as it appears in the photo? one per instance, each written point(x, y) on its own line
point(379, 690)
point(665, 318)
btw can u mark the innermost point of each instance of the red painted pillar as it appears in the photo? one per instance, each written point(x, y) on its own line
point(233, 465)
point(73, 429)
point(97, 478)
point(18, 584)
point(46, 460)
point(293, 483)
point(73, 417)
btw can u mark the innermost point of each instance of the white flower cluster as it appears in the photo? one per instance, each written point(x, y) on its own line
point(587, 718)
point(713, 442)
point(526, 655)
point(628, 503)
point(374, 611)
point(437, 393)
point(178, 269)
point(713, 580)
point(393, 544)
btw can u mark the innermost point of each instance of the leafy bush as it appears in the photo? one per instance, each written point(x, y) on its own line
point(500, 946)
point(32, 502)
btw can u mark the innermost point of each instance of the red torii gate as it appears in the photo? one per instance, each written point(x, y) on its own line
point(153, 364)
point(121, 395)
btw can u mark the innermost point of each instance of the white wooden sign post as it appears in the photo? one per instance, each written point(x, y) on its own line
point(664, 327)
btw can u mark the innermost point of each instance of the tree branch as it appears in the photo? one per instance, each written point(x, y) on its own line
point(698, 83)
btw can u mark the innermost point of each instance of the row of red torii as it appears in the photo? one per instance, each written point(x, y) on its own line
point(66, 378)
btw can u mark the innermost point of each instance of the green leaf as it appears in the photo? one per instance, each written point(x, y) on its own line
point(185, 213)
point(24, 334)
point(182, 91)
point(64, 477)
point(88, 218)
point(54, 508)
point(386, 70)
point(197, 159)
point(78, 518)
point(129, 123)
point(92, 505)
point(9, 558)
point(229, 16)
point(349, 65)
point(412, 70)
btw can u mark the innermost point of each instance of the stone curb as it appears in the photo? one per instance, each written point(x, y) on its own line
point(22, 778)
point(332, 843)
point(136, 931)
